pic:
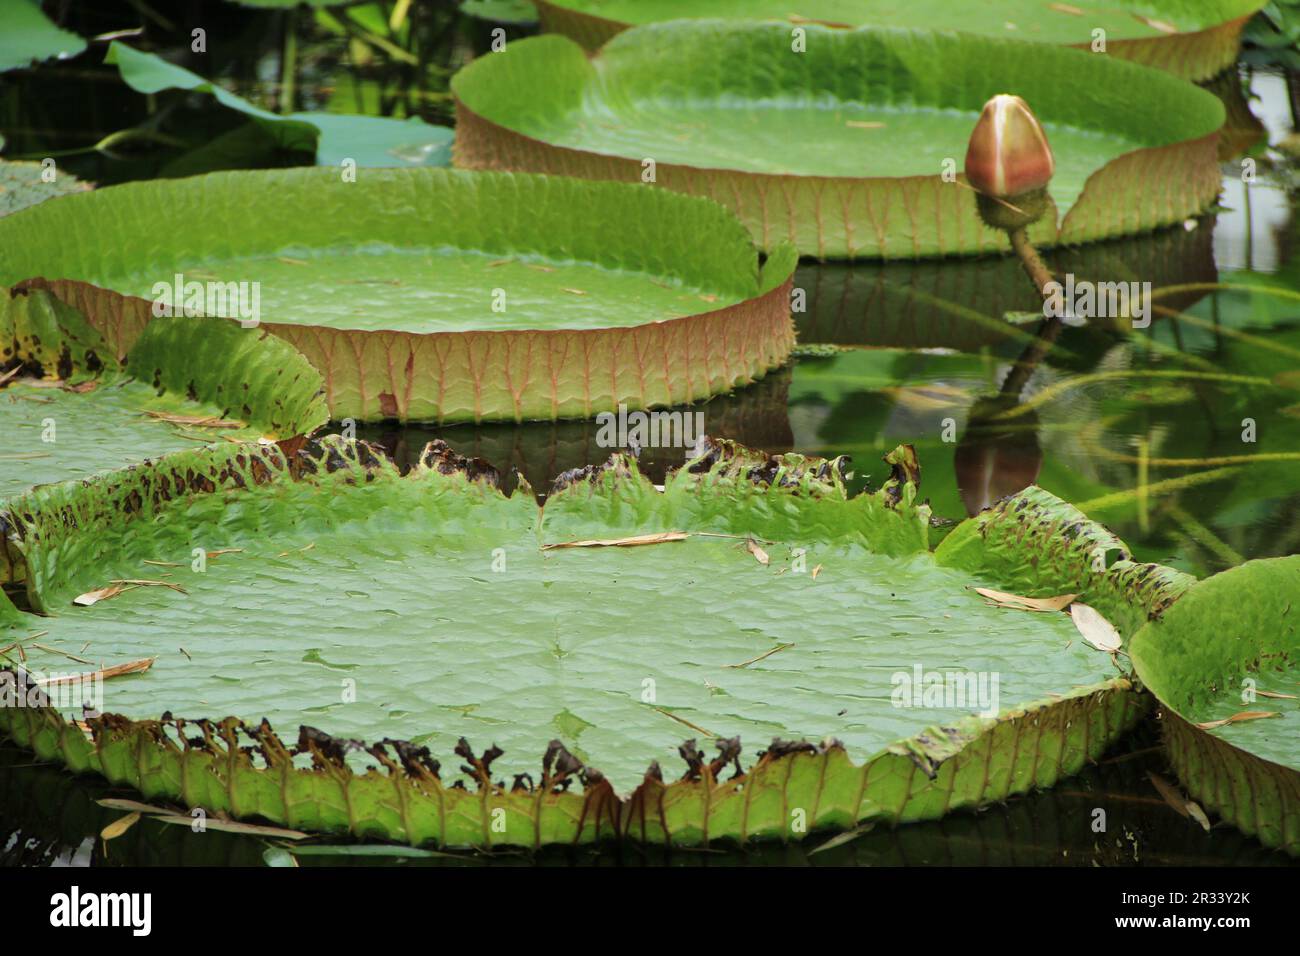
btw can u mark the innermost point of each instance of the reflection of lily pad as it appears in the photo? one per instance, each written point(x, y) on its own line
point(432, 295)
point(963, 305)
point(826, 150)
point(538, 451)
point(1224, 656)
point(178, 388)
point(1194, 39)
point(28, 36)
point(367, 140)
point(621, 650)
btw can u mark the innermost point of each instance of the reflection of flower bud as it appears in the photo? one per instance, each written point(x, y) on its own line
point(996, 457)
point(1008, 154)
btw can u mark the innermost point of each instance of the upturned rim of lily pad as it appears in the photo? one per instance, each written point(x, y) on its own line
point(441, 376)
point(1195, 54)
point(1172, 177)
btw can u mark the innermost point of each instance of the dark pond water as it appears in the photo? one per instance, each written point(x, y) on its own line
point(1184, 438)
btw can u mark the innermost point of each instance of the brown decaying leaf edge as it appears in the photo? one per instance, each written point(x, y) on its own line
point(598, 811)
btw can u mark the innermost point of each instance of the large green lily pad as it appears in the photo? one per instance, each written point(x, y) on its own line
point(1226, 653)
point(841, 149)
point(69, 410)
point(432, 295)
point(1194, 39)
point(424, 608)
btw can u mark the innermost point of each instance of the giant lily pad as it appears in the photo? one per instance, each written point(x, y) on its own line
point(833, 604)
point(1224, 663)
point(436, 295)
point(828, 148)
point(1194, 39)
point(69, 410)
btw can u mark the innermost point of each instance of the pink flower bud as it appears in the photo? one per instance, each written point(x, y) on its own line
point(1008, 153)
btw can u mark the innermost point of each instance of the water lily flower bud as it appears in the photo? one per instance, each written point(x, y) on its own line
point(1008, 155)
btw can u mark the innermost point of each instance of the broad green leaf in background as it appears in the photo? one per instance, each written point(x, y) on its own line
point(28, 36)
point(433, 295)
point(831, 150)
point(1194, 39)
point(371, 141)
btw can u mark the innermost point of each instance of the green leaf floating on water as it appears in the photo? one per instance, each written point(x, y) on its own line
point(1194, 39)
point(29, 37)
point(389, 608)
point(68, 409)
point(841, 148)
point(372, 141)
point(1225, 654)
point(433, 295)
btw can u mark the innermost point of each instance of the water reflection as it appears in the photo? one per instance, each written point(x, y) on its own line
point(996, 457)
point(538, 451)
